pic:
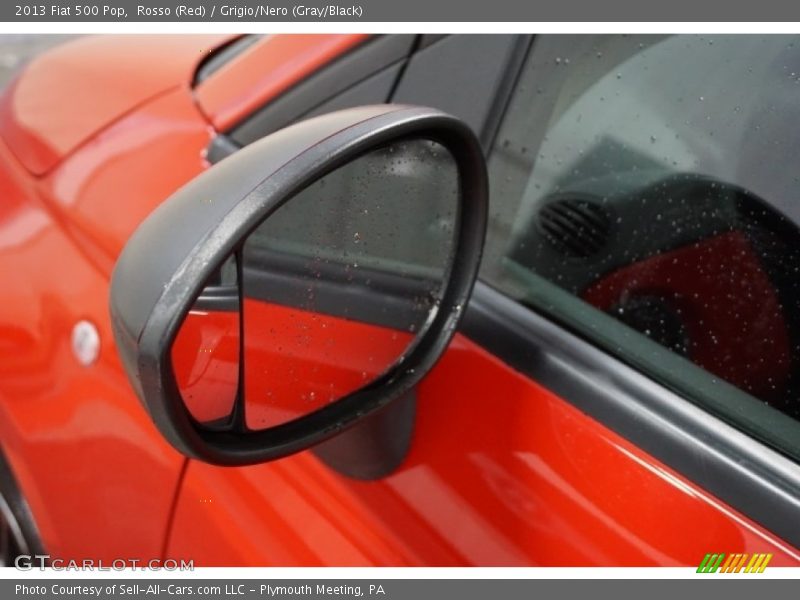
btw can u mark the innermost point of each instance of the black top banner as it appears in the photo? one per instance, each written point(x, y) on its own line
point(440, 11)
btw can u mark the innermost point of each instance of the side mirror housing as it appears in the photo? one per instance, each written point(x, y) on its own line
point(303, 283)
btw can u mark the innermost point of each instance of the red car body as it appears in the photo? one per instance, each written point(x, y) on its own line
point(501, 471)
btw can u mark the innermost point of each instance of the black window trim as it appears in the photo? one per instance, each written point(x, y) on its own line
point(725, 462)
point(223, 55)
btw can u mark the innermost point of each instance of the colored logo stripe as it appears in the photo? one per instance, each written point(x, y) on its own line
point(710, 563)
point(735, 563)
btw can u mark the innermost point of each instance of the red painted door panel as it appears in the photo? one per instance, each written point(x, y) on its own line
point(500, 472)
point(98, 476)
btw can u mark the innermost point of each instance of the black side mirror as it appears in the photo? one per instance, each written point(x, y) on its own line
point(303, 283)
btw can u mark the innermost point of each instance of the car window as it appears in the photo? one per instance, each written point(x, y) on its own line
point(644, 195)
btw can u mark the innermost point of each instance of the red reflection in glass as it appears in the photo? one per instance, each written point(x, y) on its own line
point(205, 357)
point(298, 361)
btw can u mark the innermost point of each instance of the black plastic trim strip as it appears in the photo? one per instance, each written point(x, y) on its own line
point(377, 445)
point(11, 493)
point(220, 146)
point(748, 476)
point(505, 90)
point(222, 56)
point(431, 79)
point(364, 294)
point(219, 298)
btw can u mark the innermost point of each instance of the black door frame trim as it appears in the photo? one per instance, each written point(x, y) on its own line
point(748, 476)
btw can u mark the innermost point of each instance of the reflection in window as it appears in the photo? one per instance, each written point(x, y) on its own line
point(649, 177)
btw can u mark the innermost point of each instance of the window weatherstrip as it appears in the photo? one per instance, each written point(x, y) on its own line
point(748, 476)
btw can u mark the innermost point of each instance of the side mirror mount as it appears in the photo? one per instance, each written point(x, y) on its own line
point(302, 284)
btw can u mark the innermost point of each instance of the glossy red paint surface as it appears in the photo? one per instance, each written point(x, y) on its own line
point(98, 476)
point(298, 361)
point(265, 70)
point(104, 191)
point(500, 472)
point(727, 305)
point(205, 360)
point(64, 97)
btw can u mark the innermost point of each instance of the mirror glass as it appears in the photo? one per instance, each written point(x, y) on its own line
point(339, 281)
point(335, 286)
point(205, 354)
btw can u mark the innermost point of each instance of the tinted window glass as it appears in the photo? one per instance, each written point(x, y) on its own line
point(643, 194)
